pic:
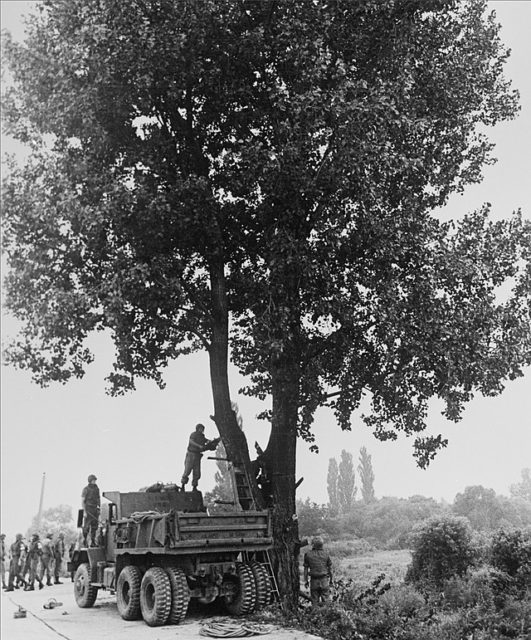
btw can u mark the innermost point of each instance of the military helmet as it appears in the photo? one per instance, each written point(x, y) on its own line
point(199, 427)
point(92, 477)
point(317, 542)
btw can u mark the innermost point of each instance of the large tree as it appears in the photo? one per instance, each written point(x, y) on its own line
point(274, 164)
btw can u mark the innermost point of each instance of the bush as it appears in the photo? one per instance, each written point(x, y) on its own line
point(442, 548)
point(511, 553)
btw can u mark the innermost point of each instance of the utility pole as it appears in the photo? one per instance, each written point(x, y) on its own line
point(41, 501)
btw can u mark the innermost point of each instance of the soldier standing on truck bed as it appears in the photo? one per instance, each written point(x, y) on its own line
point(192, 462)
point(90, 502)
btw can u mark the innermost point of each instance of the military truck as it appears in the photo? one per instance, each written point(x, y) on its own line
point(157, 550)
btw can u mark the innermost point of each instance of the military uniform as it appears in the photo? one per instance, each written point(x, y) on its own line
point(47, 559)
point(3, 559)
point(318, 564)
point(34, 556)
point(16, 552)
point(90, 498)
point(197, 443)
point(58, 552)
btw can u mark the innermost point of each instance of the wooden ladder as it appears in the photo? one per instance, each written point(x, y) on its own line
point(265, 560)
point(242, 487)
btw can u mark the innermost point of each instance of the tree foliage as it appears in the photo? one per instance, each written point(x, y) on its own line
point(523, 488)
point(282, 139)
point(54, 520)
point(480, 505)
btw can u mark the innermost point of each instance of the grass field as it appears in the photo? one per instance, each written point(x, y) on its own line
point(365, 568)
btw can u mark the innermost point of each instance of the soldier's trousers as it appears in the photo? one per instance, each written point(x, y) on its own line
point(46, 568)
point(57, 567)
point(192, 464)
point(14, 571)
point(90, 524)
point(34, 570)
point(320, 589)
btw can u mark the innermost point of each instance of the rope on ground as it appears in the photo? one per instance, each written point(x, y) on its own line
point(233, 629)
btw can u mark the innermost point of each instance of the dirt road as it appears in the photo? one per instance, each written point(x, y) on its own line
point(101, 622)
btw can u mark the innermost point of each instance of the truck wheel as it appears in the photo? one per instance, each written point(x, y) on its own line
point(155, 596)
point(243, 599)
point(180, 595)
point(84, 593)
point(128, 592)
point(263, 584)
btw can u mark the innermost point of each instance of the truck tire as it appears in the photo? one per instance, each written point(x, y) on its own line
point(128, 592)
point(84, 593)
point(155, 597)
point(244, 598)
point(263, 585)
point(180, 595)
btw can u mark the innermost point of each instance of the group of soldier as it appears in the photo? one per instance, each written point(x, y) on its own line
point(32, 561)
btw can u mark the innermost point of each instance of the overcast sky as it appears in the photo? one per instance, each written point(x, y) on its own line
point(68, 432)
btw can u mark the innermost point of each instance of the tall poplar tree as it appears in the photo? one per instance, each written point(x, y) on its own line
point(332, 482)
point(346, 482)
point(366, 475)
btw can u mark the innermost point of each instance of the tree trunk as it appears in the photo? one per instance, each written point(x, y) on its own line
point(232, 436)
point(280, 454)
point(281, 449)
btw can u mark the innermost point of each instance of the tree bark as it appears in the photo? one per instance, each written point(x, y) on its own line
point(281, 449)
point(226, 421)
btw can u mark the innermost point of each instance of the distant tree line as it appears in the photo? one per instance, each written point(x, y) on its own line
point(388, 522)
point(341, 481)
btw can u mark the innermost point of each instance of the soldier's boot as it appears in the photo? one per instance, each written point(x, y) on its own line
point(29, 587)
point(49, 583)
point(41, 585)
point(57, 581)
point(9, 588)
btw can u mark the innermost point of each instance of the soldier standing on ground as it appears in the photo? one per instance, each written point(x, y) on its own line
point(46, 559)
point(34, 555)
point(15, 551)
point(192, 462)
point(58, 553)
point(3, 559)
point(318, 564)
point(90, 503)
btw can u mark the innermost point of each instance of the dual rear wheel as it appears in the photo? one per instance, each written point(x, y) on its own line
point(160, 596)
point(248, 590)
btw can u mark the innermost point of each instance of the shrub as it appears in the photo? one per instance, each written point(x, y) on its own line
point(511, 553)
point(442, 548)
